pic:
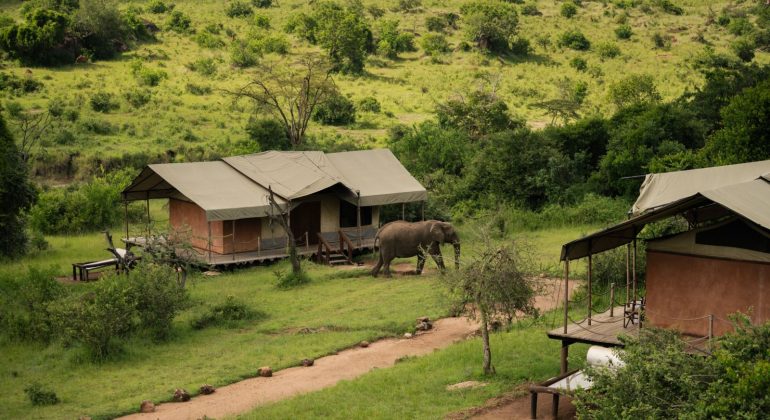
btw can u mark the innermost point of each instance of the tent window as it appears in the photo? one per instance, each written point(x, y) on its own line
point(736, 234)
point(348, 215)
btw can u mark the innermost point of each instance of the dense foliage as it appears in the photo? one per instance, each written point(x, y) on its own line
point(16, 196)
point(662, 379)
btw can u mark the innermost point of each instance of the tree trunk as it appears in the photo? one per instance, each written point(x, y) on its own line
point(296, 268)
point(488, 368)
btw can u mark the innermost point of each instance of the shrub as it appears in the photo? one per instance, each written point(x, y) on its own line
point(391, 41)
point(530, 9)
point(634, 89)
point(261, 21)
point(197, 90)
point(608, 50)
point(624, 32)
point(268, 134)
point(575, 40)
point(268, 43)
point(39, 39)
point(568, 9)
point(98, 126)
point(178, 22)
point(303, 26)
point(661, 41)
point(408, 6)
point(159, 297)
point(26, 304)
point(208, 40)
point(103, 102)
point(435, 23)
point(262, 4)
point(205, 66)
point(290, 280)
point(579, 64)
point(479, 113)
point(244, 53)
point(98, 319)
point(227, 313)
point(9, 82)
point(744, 49)
point(238, 9)
point(145, 75)
point(434, 44)
point(491, 25)
point(158, 6)
point(669, 7)
point(740, 26)
point(40, 396)
point(369, 104)
point(337, 110)
point(345, 35)
point(138, 98)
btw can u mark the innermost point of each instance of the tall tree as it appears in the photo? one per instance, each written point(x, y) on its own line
point(280, 214)
point(496, 286)
point(16, 196)
point(290, 93)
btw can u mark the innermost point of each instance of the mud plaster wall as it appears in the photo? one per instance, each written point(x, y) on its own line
point(682, 286)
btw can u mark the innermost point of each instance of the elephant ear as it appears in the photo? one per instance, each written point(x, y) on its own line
point(437, 232)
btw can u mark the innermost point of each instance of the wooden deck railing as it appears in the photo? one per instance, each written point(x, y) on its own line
point(324, 250)
point(345, 242)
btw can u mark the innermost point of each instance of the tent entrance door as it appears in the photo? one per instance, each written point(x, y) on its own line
point(306, 218)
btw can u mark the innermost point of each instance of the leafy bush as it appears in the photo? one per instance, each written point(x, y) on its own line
point(159, 297)
point(39, 39)
point(435, 23)
point(244, 53)
point(608, 50)
point(434, 44)
point(158, 6)
point(568, 9)
point(575, 40)
point(478, 113)
point(147, 76)
point(138, 98)
point(238, 9)
point(634, 89)
point(408, 6)
point(98, 126)
point(391, 41)
point(100, 28)
point(740, 26)
point(9, 82)
point(337, 110)
point(624, 32)
point(744, 49)
point(262, 21)
point(268, 43)
point(661, 41)
point(579, 64)
point(103, 102)
point(530, 9)
point(262, 4)
point(26, 304)
point(303, 26)
point(178, 22)
point(268, 134)
point(205, 66)
point(40, 396)
point(669, 7)
point(228, 313)
point(369, 104)
point(197, 90)
point(290, 280)
point(345, 34)
point(208, 40)
point(80, 208)
point(491, 25)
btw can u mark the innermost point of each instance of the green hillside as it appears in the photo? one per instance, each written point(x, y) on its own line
point(187, 116)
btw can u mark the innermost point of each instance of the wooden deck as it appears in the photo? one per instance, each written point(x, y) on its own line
point(604, 330)
point(265, 255)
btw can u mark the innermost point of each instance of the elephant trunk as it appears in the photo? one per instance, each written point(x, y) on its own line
point(457, 255)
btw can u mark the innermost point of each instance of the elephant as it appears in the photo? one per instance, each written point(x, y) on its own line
point(402, 239)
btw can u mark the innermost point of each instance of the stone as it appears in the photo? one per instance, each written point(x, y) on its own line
point(424, 326)
point(308, 362)
point(423, 319)
point(147, 406)
point(408, 335)
point(180, 395)
point(265, 371)
point(465, 385)
point(207, 389)
point(364, 344)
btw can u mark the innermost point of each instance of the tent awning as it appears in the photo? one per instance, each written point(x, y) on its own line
point(749, 200)
point(222, 192)
point(378, 176)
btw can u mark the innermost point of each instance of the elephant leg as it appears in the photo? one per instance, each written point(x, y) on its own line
point(378, 266)
point(387, 267)
point(435, 252)
point(421, 257)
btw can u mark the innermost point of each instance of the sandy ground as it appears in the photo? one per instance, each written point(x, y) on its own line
point(516, 406)
point(243, 396)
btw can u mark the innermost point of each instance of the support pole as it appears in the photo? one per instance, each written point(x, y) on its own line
point(403, 211)
point(566, 294)
point(564, 356)
point(125, 215)
point(209, 223)
point(612, 300)
point(628, 272)
point(711, 328)
point(147, 202)
point(423, 211)
point(233, 239)
point(358, 216)
point(633, 276)
point(590, 287)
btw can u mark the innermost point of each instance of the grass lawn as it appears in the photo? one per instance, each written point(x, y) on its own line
point(342, 306)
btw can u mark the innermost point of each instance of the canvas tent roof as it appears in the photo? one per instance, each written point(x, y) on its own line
point(236, 187)
point(749, 200)
point(217, 188)
point(664, 188)
point(378, 176)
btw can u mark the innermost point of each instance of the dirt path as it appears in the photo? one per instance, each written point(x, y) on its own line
point(243, 396)
point(327, 371)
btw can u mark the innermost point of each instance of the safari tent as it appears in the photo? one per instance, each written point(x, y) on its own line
point(696, 278)
point(331, 198)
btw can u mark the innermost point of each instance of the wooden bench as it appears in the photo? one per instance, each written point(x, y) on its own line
point(80, 270)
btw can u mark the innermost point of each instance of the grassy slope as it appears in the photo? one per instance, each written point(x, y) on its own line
point(408, 87)
point(352, 307)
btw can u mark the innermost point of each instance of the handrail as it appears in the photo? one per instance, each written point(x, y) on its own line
point(344, 240)
point(322, 243)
